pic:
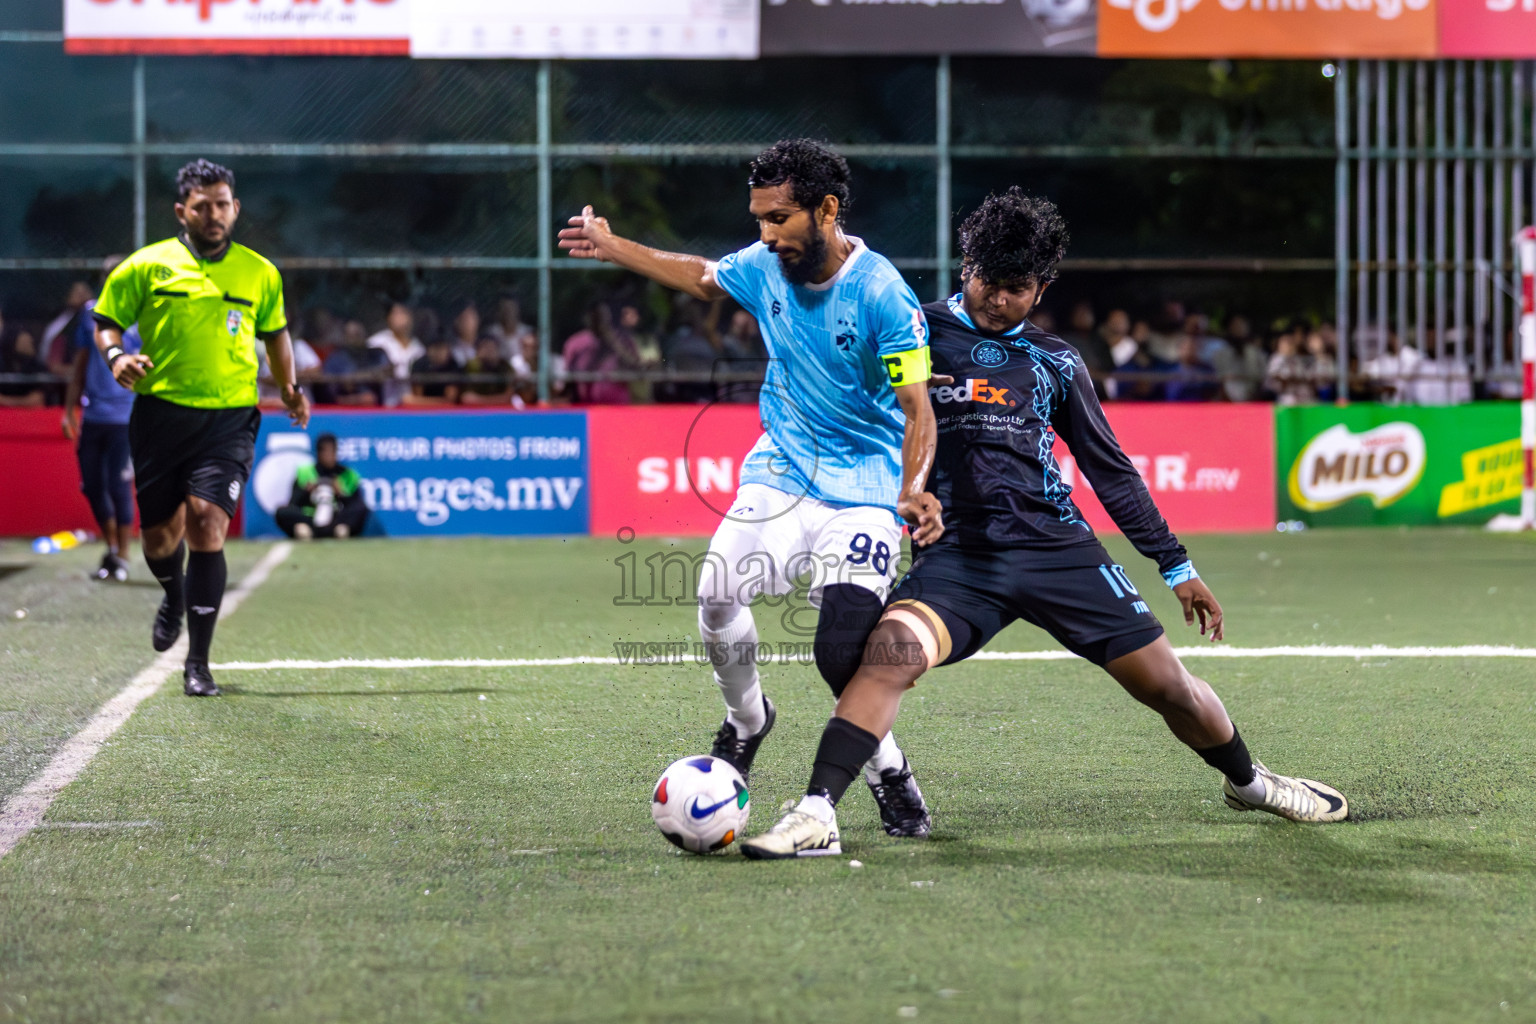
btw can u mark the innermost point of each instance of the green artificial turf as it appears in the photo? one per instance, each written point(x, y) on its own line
point(384, 845)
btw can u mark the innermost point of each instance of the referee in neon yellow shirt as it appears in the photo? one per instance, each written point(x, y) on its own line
point(201, 302)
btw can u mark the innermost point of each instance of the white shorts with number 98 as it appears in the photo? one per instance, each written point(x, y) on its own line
point(773, 542)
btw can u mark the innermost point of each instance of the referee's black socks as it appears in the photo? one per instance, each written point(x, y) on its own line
point(168, 571)
point(206, 576)
point(840, 757)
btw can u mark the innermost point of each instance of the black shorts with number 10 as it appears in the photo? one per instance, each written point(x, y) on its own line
point(1079, 596)
point(179, 451)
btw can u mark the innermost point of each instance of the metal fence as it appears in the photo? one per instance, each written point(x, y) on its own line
point(1436, 172)
point(1193, 175)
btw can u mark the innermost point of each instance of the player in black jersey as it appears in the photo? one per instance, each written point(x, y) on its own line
point(1016, 546)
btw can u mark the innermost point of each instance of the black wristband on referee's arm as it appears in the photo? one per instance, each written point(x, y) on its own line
point(112, 353)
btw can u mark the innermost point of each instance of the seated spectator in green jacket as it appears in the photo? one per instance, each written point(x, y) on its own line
point(327, 499)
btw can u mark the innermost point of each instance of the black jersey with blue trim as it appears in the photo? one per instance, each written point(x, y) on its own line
point(994, 471)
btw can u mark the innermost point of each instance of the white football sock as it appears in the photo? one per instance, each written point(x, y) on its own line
point(888, 755)
point(818, 807)
point(1254, 792)
point(737, 678)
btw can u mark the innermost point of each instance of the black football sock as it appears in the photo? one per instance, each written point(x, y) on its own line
point(1231, 759)
point(840, 757)
point(168, 571)
point(206, 575)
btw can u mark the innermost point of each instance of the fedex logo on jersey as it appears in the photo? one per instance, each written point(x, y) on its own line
point(976, 389)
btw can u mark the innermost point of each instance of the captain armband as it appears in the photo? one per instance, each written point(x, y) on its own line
point(913, 366)
point(1180, 574)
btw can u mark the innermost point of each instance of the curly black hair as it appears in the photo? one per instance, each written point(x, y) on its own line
point(1014, 238)
point(813, 171)
point(200, 174)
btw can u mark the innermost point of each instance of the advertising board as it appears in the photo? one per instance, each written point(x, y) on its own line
point(438, 474)
point(360, 27)
point(1268, 28)
point(1484, 29)
point(1398, 465)
point(795, 27)
point(1210, 468)
point(667, 470)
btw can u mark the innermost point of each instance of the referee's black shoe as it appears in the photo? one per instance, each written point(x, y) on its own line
point(199, 681)
point(903, 812)
point(167, 625)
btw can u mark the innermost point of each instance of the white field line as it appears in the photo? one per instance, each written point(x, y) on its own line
point(1376, 651)
point(23, 812)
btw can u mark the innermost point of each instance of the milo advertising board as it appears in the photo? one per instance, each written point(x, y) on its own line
point(1377, 464)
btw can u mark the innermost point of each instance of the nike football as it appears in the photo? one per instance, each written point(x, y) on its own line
point(701, 804)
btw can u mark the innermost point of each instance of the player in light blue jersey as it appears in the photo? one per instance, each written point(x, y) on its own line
point(847, 444)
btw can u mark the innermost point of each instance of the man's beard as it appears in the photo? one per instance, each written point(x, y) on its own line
point(813, 256)
point(204, 244)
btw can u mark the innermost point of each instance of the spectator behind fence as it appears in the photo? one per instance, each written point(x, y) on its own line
point(306, 366)
point(54, 345)
point(497, 389)
point(742, 352)
point(327, 498)
point(1090, 344)
point(1214, 351)
point(525, 370)
point(591, 350)
point(399, 344)
point(694, 347)
point(1321, 367)
point(1251, 363)
point(1139, 359)
point(1168, 332)
point(437, 360)
point(464, 333)
point(1389, 368)
point(18, 354)
point(641, 346)
point(1116, 332)
point(1441, 377)
point(354, 356)
point(1289, 379)
point(1193, 379)
point(509, 330)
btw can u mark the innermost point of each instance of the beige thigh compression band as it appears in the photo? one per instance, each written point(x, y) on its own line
point(928, 627)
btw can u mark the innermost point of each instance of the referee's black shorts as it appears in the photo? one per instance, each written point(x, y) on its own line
point(1090, 606)
point(181, 452)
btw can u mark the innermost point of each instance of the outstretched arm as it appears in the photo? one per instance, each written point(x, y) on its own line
point(1124, 495)
point(590, 238)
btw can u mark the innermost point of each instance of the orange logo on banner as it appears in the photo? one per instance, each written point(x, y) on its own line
point(1268, 28)
point(1488, 28)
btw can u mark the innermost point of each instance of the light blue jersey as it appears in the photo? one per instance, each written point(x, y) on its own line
point(833, 425)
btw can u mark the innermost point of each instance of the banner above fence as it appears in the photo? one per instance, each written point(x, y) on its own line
point(794, 27)
point(1488, 29)
point(672, 29)
point(363, 27)
point(1271, 28)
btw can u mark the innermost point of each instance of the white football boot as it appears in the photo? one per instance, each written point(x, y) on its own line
point(798, 834)
point(1296, 799)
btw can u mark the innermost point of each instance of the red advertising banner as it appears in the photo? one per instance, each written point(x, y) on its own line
point(1270, 28)
point(672, 470)
point(1488, 29)
point(42, 490)
point(666, 470)
point(1210, 468)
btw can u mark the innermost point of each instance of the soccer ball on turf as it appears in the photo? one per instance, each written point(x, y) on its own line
point(701, 803)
